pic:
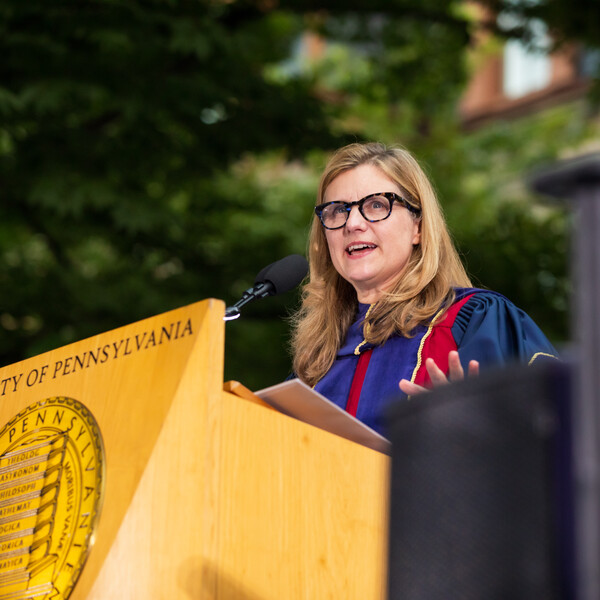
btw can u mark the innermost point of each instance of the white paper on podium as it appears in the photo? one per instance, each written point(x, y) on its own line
point(296, 399)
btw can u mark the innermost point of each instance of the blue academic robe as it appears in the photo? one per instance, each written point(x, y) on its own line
point(482, 325)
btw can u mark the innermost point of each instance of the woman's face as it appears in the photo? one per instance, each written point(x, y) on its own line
point(370, 255)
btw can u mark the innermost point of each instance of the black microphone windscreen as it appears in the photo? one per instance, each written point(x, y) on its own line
point(284, 274)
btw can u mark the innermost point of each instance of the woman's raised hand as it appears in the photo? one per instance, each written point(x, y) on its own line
point(438, 377)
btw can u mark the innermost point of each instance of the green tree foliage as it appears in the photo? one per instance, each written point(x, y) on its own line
point(119, 121)
point(121, 127)
point(157, 152)
point(568, 21)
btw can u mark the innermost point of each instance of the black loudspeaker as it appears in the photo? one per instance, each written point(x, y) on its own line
point(481, 489)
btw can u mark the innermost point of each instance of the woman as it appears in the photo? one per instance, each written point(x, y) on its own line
point(388, 302)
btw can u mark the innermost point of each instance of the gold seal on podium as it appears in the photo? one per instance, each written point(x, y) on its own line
point(51, 487)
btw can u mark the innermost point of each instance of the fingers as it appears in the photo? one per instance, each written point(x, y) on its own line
point(473, 368)
point(455, 369)
point(410, 388)
point(437, 376)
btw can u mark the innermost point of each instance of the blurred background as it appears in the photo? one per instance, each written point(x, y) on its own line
point(156, 153)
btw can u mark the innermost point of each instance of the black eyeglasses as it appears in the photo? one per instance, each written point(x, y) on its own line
point(374, 207)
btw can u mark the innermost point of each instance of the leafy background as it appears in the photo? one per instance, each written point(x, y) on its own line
point(157, 152)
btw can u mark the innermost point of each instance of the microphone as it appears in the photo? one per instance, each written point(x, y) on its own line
point(276, 278)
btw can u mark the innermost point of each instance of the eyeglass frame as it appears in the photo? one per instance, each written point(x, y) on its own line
point(391, 196)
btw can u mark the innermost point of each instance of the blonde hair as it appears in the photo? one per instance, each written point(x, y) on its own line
point(425, 285)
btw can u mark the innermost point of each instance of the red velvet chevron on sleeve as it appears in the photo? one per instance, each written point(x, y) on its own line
point(437, 343)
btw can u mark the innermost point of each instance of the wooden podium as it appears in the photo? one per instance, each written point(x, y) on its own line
point(206, 495)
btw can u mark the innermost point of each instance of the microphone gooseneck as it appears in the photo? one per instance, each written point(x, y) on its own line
point(276, 278)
